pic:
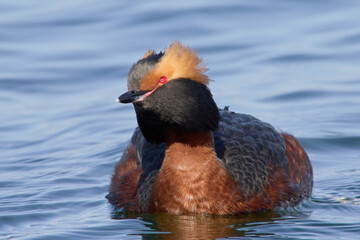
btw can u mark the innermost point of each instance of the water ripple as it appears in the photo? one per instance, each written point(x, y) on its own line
point(292, 63)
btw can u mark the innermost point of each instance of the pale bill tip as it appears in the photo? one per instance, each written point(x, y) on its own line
point(117, 100)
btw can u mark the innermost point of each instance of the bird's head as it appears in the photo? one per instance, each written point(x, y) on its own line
point(170, 90)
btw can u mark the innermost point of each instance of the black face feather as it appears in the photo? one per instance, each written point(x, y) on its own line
point(180, 103)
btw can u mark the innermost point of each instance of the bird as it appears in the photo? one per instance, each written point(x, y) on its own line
point(187, 156)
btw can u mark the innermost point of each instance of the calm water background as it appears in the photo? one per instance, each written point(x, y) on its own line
point(295, 64)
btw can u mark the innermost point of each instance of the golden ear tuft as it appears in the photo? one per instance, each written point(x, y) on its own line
point(178, 61)
point(184, 63)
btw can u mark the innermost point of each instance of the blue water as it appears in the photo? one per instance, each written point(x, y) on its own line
point(292, 63)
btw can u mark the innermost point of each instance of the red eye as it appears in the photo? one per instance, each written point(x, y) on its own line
point(163, 80)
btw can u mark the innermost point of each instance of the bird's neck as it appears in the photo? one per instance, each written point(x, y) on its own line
point(186, 150)
point(191, 178)
point(202, 138)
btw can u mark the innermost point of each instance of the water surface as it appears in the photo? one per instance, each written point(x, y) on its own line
point(294, 64)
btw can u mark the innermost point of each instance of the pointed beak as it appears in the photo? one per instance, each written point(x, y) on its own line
point(132, 96)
